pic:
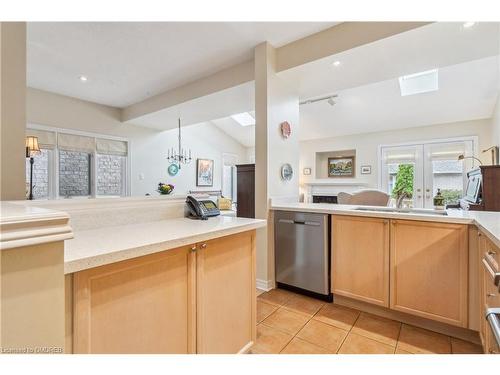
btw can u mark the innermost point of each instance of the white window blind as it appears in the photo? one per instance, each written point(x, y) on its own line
point(46, 139)
point(71, 142)
point(446, 151)
point(399, 155)
point(111, 147)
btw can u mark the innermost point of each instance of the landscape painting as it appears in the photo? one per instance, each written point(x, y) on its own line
point(341, 166)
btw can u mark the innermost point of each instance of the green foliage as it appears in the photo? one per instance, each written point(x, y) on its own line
point(404, 181)
point(451, 196)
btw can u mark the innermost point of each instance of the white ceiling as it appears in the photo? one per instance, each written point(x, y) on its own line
point(245, 135)
point(467, 91)
point(433, 46)
point(221, 104)
point(126, 62)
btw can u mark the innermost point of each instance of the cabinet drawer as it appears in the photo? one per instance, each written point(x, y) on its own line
point(491, 253)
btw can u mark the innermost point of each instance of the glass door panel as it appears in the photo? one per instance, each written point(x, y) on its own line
point(401, 170)
point(444, 171)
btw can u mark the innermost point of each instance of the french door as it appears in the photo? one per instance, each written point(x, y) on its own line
point(423, 168)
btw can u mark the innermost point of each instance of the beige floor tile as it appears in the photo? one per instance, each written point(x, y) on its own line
point(323, 335)
point(270, 340)
point(299, 346)
point(377, 328)
point(401, 351)
point(420, 341)
point(356, 344)
point(258, 292)
point(264, 309)
point(286, 320)
point(338, 316)
point(303, 304)
point(276, 296)
point(464, 347)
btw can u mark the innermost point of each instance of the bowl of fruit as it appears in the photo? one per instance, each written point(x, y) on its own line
point(165, 189)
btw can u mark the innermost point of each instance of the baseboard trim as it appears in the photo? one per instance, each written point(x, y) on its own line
point(265, 285)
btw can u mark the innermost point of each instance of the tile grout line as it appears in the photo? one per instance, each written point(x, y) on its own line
point(348, 333)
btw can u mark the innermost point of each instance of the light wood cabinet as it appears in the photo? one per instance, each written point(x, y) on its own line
point(142, 305)
point(489, 295)
point(428, 268)
point(194, 299)
point(226, 295)
point(360, 258)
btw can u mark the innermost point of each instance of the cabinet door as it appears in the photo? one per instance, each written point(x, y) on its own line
point(429, 270)
point(142, 305)
point(360, 258)
point(226, 312)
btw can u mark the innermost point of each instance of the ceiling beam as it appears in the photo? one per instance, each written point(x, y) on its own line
point(336, 39)
point(224, 79)
point(325, 43)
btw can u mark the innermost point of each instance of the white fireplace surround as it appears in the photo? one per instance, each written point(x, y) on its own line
point(328, 187)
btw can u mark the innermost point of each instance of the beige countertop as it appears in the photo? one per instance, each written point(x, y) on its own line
point(26, 226)
point(97, 247)
point(488, 222)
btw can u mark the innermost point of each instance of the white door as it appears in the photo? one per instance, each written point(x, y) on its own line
point(424, 168)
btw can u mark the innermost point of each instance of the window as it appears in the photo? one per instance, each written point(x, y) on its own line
point(74, 174)
point(73, 165)
point(40, 175)
point(110, 175)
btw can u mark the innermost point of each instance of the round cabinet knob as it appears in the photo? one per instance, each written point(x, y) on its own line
point(491, 252)
point(491, 295)
point(203, 246)
point(193, 248)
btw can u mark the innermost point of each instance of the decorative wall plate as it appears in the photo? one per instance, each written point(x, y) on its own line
point(286, 172)
point(286, 129)
point(173, 169)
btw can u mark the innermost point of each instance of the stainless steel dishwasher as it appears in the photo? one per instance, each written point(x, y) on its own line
point(302, 253)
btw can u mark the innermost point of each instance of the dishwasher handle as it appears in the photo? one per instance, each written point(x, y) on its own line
point(493, 317)
point(300, 222)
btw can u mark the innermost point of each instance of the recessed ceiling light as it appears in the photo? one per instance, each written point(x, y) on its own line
point(83, 78)
point(336, 63)
point(419, 83)
point(244, 119)
point(468, 24)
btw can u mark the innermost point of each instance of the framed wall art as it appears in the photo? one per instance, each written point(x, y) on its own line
point(341, 166)
point(204, 172)
point(366, 169)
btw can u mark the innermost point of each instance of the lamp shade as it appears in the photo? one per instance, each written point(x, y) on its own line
point(32, 146)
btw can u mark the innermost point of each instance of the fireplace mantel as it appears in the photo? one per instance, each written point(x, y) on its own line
point(331, 188)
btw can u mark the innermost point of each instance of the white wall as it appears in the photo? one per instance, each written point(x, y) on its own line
point(366, 145)
point(495, 126)
point(148, 148)
point(206, 141)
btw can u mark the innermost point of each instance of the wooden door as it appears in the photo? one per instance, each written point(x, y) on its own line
point(226, 311)
point(360, 258)
point(245, 190)
point(429, 263)
point(142, 305)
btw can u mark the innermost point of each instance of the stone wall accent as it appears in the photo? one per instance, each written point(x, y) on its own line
point(74, 173)
point(109, 174)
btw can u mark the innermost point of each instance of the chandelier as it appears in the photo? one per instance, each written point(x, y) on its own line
point(182, 156)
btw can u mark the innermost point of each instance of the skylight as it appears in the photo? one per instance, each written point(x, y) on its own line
point(419, 83)
point(244, 119)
